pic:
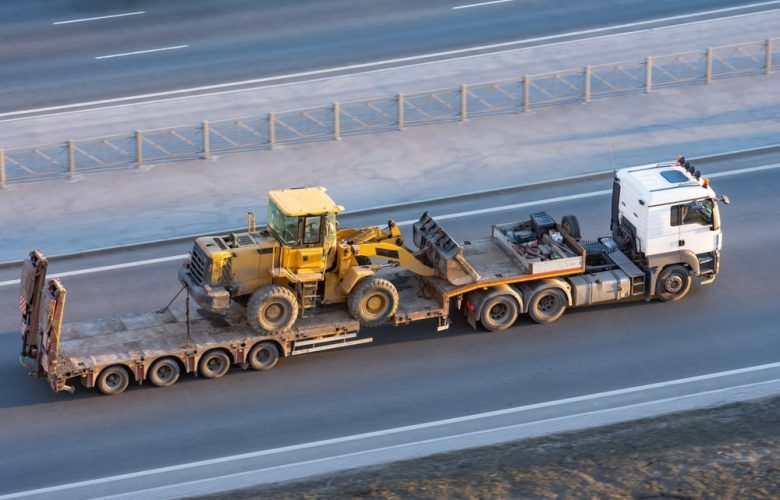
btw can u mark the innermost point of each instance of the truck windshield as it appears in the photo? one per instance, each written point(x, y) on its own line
point(285, 227)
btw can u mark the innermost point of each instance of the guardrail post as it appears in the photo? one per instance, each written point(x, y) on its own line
point(71, 159)
point(271, 130)
point(768, 56)
point(139, 148)
point(648, 75)
point(205, 133)
point(400, 111)
point(708, 65)
point(2, 168)
point(336, 120)
point(587, 83)
point(464, 102)
point(526, 92)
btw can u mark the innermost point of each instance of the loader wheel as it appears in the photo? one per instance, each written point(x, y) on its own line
point(263, 356)
point(113, 380)
point(547, 305)
point(272, 309)
point(673, 283)
point(499, 313)
point(214, 364)
point(164, 372)
point(373, 301)
point(571, 225)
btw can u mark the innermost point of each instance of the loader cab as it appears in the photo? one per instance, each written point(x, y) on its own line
point(303, 221)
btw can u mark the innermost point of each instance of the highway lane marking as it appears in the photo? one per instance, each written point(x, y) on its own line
point(454, 215)
point(409, 59)
point(468, 6)
point(402, 429)
point(176, 47)
point(70, 21)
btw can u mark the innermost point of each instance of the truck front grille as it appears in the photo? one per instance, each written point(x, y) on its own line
point(198, 265)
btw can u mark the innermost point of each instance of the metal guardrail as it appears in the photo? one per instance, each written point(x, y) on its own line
point(65, 160)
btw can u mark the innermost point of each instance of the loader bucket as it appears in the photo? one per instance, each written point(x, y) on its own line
point(440, 251)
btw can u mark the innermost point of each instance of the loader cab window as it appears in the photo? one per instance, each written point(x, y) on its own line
point(284, 227)
point(696, 212)
point(311, 229)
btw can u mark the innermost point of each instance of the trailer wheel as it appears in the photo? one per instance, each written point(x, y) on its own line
point(272, 309)
point(113, 380)
point(164, 372)
point(214, 364)
point(263, 356)
point(373, 301)
point(673, 283)
point(499, 313)
point(547, 305)
point(571, 225)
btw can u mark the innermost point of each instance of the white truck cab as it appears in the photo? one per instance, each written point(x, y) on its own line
point(669, 215)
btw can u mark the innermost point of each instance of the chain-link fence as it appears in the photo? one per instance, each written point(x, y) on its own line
point(382, 114)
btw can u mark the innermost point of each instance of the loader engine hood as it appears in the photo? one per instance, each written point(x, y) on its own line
point(211, 259)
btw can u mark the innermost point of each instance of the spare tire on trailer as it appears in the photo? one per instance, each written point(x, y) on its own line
point(373, 301)
point(571, 225)
point(272, 309)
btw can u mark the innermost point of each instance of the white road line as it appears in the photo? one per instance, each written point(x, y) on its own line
point(454, 215)
point(142, 52)
point(398, 430)
point(106, 268)
point(410, 59)
point(468, 6)
point(101, 17)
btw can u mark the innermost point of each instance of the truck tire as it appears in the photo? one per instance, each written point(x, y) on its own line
point(113, 380)
point(272, 309)
point(571, 225)
point(673, 283)
point(164, 372)
point(263, 356)
point(547, 305)
point(214, 364)
point(499, 313)
point(373, 301)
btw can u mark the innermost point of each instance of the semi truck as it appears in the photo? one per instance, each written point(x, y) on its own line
point(302, 285)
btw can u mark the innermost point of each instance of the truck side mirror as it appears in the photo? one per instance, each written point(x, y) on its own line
point(725, 199)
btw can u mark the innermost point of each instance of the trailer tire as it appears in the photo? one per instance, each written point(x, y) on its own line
point(547, 305)
point(113, 380)
point(673, 283)
point(164, 372)
point(373, 301)
point(571, 225)
point(272, 309)
point(214, 364)
point(263, 356)
point(499, 313)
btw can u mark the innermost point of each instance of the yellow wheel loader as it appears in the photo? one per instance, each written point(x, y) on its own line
point(299, 261)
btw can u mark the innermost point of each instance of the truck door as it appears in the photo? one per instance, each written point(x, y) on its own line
point(694, 224)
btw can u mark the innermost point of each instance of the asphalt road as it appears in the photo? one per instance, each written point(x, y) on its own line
point(56, 53)
point(408, 375)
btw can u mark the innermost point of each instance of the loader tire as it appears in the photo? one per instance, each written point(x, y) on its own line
point(673, 283)
point(547, 305)
point(373, 301)
point(272, 309)
point(571, 225)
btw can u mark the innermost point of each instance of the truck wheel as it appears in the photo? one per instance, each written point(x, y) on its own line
point(113, 380)
point(373, 301)
point(263, 356)
point(214, 364)
point(499, 313)
point(571, 225)
point(164, 372)
point(673, 283)
point(272, 309)
point(547, 305)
